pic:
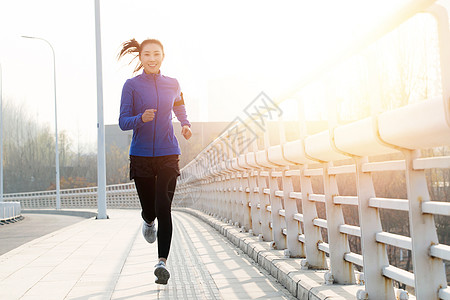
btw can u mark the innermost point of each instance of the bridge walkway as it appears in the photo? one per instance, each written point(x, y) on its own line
point(109, 259)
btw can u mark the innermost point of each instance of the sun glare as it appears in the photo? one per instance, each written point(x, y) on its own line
point(394, 71)
point(267, 46)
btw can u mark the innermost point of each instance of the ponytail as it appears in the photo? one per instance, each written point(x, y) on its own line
point(129, 47)
point(133, 47)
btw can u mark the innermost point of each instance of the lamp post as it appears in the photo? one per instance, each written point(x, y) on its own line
point(58, 196)
point(101, 162)
point(1, 136)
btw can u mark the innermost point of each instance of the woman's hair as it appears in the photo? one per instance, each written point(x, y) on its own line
point(133, 47)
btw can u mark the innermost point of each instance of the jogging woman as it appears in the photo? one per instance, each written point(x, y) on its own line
point(147, 102)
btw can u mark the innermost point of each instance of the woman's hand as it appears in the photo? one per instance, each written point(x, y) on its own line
point(186, 132)
point(148, 115)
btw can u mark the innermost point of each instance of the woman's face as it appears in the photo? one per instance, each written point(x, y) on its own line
point(151, 58)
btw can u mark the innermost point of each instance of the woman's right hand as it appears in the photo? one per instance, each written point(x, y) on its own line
point(148, 115)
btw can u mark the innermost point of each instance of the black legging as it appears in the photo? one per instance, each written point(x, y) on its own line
point(156, 194)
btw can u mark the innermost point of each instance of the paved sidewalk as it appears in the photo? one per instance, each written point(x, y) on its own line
point(33, 225)
point(109, 259)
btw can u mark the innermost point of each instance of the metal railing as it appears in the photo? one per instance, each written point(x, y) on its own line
point(117, 196)
point(268, 190)
point(9, 211)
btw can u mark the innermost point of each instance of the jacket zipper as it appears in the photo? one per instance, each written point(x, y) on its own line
point(156, 114)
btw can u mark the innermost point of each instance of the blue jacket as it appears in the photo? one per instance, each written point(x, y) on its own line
point(147, 91)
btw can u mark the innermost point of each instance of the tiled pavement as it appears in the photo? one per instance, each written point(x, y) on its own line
point(36, 224)
point(109, 259)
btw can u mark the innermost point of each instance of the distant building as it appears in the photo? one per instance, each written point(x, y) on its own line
point(115, 136)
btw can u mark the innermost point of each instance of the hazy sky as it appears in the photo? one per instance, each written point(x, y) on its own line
point(222, 52)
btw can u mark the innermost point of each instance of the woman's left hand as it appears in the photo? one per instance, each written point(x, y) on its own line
point(186, 132)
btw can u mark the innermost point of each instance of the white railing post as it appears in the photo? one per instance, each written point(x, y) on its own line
point(374, 254)
point(254, 201)
point(244, 217)
point(266, 200)
point(234, 196)
point(224, 179)
point(230, 183)
point(262, 200)
point(214, 190)
point(221, 197)
point(193, 178)
point(341, 269)
point(247, 202)
point(236, 175)
point(200, 183)
point(429, 273)
point(244, 211)
point(264, 203)
point(277, 222)
point(228, 186)
point(237, 198)
point(246, 196)
point(207, 163)
point(295, 247)
point(220, 193)
point(315, 258)
point(207, 194)
point(294, 228)
point(229, 191)
point(254, 194)
point(225, 185)
point(238, 216)
point(237, 181)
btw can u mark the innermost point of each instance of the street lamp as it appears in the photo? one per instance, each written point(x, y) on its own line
point(1, 136)
point(58, 196)
point(101, 162)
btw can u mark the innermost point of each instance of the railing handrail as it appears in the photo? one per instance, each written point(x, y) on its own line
point(65, 191)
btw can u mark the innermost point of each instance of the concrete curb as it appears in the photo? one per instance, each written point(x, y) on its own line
point(76, 213)
point(303, 284)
